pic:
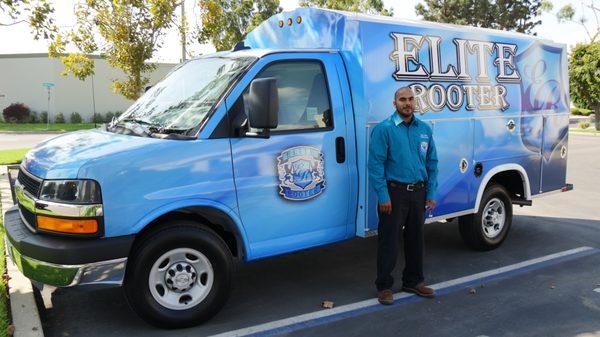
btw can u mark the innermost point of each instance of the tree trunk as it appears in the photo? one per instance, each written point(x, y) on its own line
point(597, 113)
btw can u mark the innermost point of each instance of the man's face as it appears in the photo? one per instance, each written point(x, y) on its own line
point(405, 102)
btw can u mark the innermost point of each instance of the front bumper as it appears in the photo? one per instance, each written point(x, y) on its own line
point(65, 262)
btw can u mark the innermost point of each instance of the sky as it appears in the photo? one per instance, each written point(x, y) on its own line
point(18, 39)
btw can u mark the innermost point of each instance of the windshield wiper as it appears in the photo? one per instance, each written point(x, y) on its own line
point(144, 128)
point(138, 121)
point(131, 126)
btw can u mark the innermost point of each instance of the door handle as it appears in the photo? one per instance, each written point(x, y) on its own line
point(340, 150)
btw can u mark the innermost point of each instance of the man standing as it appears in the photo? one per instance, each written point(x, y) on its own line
point(403, 171)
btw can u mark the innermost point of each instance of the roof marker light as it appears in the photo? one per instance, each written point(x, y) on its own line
point(289, 21)
point(280, 23)
point(299, 20)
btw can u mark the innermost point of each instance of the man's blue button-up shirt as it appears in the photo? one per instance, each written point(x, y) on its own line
point(402, 152)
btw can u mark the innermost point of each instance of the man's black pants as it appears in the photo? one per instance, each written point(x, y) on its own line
point(408, 211)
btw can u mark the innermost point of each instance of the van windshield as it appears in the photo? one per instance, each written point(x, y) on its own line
point(184, 98)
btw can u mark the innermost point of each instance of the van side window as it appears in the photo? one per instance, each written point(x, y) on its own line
point(303, 97)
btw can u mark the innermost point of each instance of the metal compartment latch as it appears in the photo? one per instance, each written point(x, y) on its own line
point(511, 125)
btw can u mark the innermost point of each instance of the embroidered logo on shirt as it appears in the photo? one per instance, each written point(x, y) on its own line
point(424, 136)
point(424, 147)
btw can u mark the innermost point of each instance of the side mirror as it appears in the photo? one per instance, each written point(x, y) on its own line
point(263, 106)
point(147, 88)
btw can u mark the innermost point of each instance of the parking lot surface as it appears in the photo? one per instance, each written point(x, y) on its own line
point(10, 141)
point(552, 299)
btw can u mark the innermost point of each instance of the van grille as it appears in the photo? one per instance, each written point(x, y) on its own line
point(30, 184)
point(28, 216)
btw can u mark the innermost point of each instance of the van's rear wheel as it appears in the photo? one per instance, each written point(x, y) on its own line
point(179, 276)
point(488, 228)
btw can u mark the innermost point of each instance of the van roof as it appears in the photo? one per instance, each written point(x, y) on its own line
point(325, 28)
point(260, 52)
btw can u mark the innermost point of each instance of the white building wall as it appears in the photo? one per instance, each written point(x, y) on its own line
point(22, 75)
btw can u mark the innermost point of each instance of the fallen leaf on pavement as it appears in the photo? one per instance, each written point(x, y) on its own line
point(327, 304)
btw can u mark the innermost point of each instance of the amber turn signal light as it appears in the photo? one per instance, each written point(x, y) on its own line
point(68, 226)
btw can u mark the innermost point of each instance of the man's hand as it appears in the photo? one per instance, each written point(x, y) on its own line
point(386, 207)
point(430, 205)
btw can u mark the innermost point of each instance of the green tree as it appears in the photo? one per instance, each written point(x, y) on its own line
point(227, 22)
point(36, 13)
point(584, 77)
point(126, 32)
point(362, 6)
point(516, 15)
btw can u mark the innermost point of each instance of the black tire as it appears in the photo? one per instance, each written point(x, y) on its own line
point(173, 235)
point(472, 228)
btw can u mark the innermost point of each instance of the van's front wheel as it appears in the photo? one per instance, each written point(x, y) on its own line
point(179, 276)
point(488, 228)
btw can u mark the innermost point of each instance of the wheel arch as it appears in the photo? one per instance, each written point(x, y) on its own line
point(505, 175)
point(215, 216)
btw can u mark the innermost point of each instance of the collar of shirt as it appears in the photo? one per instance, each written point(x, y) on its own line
point(397, 120)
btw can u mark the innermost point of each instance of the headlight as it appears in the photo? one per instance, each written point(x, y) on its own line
point(71, 191)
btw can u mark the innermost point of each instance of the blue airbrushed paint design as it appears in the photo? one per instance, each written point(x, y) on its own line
point(366, 45)
point(143, 178)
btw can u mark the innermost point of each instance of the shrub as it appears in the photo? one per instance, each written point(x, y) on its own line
point(33, 117)
point(75, 118)
point(16, 113)
point(44, 117)
point(97, 118)
point(586, 112)
point(59, 118)
point(575, 111)
point(109, 116)
point(584, 124)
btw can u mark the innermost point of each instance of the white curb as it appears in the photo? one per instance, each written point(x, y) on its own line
point(25, 316)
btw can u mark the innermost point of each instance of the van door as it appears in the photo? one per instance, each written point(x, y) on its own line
point(554, 152)
point(293, 188)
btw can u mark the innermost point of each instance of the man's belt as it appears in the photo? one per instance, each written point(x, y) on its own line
point(405, 186)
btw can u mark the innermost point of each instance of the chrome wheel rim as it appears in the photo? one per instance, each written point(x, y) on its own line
point(493, 218)
point(181, 278)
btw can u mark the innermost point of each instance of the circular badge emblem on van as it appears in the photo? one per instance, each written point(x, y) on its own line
point(301, 173)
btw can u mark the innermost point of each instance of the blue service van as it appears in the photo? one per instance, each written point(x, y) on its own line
point(262, 150)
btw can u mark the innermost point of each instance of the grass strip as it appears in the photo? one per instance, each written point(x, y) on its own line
point(13, 156)
point(41, 127)
point(4, 306)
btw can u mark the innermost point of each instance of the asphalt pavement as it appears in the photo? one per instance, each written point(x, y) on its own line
point(10, 141)
point(554, 300)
